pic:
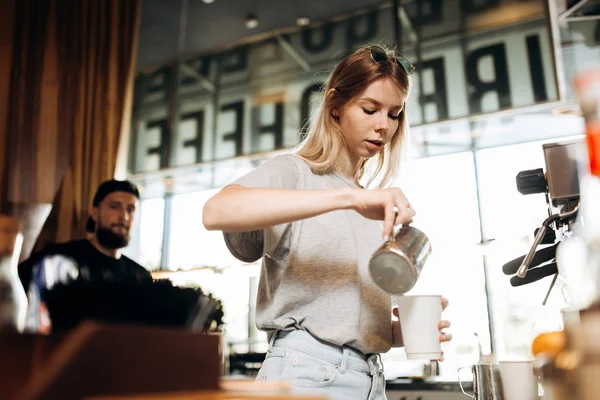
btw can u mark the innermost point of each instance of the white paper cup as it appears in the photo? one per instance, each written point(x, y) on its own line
point(518, 380)
point(419, 317)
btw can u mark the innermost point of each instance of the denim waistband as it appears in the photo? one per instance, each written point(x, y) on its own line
point(343, 356)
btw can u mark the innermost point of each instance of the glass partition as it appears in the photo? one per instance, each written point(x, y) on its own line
point(443, 191)
point(473, 59)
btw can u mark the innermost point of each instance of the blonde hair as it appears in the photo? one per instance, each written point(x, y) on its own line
point(325, 141)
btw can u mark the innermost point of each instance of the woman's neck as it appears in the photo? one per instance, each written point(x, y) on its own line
point(347, 164)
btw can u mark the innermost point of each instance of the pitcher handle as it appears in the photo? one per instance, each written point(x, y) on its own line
point(461, 386)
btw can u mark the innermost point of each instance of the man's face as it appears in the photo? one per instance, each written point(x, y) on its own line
point(114, 218)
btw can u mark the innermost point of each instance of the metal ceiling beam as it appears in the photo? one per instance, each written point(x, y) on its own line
point(569, 11)
point(205, 83)
point(405, 21)
point(293, 53)
point(583, 18)
point(183, 67)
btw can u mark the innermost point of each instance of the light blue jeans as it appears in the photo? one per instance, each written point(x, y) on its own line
point(313, 367)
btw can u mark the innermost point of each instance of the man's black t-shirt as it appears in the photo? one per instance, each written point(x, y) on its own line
point(93, 265)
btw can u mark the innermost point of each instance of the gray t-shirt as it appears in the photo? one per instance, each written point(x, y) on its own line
point(314, 274)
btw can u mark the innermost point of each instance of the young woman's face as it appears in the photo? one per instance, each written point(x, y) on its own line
point(370, 120)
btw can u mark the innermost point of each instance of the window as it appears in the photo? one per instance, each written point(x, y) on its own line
point(443, 192)
point(191, 245)
point(211, 267)
point(510, 218)
point(150, 233)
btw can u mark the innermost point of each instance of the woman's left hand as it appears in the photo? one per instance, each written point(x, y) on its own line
point(397, 333)
point(444, 337)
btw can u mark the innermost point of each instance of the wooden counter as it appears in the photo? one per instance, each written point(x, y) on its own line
point(113, 362)
point(230, 389)
point(104, 360)
point(210, 395)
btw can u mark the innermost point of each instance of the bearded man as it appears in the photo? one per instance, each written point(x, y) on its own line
point(96, 259)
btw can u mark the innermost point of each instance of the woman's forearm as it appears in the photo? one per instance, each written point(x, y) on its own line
point(238, 209)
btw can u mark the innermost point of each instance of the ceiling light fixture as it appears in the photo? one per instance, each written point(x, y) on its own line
point(208, 1)
point(302, 21)
point(251, 21)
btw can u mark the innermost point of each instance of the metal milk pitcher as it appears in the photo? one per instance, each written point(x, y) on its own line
point(396, 265)
point(487, 382)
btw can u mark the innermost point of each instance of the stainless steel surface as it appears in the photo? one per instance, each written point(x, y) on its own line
point(487, 382)
point(13, 301)
point(396, 265)
point(423, 395)
point(431, 369)
point(522, 271)
point(438, 388)
point(562, 170)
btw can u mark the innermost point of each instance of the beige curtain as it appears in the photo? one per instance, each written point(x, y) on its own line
point(7, 11)
point(70, 101)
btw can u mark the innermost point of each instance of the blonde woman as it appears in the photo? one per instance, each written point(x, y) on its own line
point(315, 220)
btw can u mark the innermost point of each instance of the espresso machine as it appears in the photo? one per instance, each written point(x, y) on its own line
point(568, 362)
point(560, 185)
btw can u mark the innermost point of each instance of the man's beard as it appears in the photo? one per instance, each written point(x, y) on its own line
point(107, 238)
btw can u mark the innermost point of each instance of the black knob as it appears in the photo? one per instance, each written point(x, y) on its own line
point(532, 181)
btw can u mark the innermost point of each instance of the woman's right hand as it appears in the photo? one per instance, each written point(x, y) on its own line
point(388, 205)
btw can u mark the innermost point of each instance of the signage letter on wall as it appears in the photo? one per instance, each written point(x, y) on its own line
point(434, 12)
point(438, 97)
point(370, 33)
point(236, 135)
point(308, 36)
point(536, 68)
point(196, 142)
point(162, 149)
point(276, 128)
point(477, 87)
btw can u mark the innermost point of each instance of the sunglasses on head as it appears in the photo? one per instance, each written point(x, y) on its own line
point(379, 55)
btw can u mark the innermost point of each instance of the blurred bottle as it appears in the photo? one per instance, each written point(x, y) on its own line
point(587, 86)
point(579, 255)
point(588, 90)
point(13, 301)
point(586, 348)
